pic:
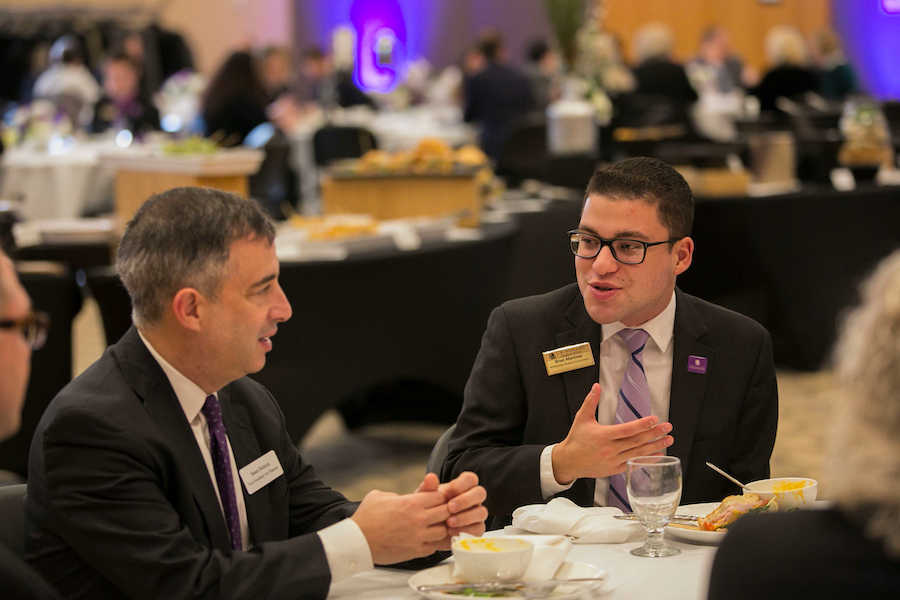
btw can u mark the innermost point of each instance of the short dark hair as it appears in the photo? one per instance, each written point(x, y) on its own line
point(490, 44)
point(537, 50)
point(652, 181)
point(182, 238)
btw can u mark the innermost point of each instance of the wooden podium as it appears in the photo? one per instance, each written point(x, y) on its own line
point(140, 175)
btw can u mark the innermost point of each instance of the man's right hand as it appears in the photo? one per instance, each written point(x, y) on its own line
point(400, 528)
point(594, 450)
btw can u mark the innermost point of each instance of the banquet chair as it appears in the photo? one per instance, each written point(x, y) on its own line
point(12, 518)
point(439, 452)
point(333, 142)
point(524, 153)
point(104, 285)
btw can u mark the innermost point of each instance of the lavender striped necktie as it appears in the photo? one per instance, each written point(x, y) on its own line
point(634, 403)
point(212, 410)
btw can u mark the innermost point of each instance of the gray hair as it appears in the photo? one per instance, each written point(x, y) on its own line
point(864, 456)
point(181, 238)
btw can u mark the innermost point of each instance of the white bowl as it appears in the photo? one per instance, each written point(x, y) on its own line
point(787, 498)
point(492, 559)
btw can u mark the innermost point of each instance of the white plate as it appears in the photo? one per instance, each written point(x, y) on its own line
point(443, 574)
point(696, 536)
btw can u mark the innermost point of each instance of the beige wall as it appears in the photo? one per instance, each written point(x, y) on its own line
point(746, 20)
point(213, 28)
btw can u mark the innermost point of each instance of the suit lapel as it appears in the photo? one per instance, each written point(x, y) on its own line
point(245, 446)
point(150, 383)
point(578, 382)
point(688, 389)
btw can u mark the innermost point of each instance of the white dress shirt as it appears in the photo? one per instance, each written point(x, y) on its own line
point(346, 548)
point(657, 357)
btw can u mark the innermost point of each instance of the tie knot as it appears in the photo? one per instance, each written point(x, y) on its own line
point(212, 410)
point(634, 339)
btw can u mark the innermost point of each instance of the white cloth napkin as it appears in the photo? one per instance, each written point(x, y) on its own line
point(549, 553)
point(561, 516)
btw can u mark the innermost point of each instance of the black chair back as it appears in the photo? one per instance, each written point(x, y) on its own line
point(332, 142)
point(104, 285)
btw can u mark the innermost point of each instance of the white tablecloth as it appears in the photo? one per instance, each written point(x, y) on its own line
point(682, 577)
point(57, 186)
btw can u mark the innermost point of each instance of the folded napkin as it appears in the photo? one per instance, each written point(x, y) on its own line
point(561, 516)
point(549, 553)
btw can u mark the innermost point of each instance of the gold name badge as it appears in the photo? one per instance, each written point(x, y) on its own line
point(568, 358)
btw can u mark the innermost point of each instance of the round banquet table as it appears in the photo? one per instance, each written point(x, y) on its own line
point(682, 577)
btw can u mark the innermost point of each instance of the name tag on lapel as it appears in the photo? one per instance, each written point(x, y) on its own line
point(568, 358)
point(261, 472)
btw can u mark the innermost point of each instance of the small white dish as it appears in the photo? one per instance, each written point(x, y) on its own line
point(787, 499)
point(695, 535)
point(443, 574)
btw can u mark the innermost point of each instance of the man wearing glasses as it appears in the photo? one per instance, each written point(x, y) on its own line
point(637, 366)
point(21, 331)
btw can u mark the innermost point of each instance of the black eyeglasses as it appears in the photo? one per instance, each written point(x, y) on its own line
point(33, 328)
point(629, 252)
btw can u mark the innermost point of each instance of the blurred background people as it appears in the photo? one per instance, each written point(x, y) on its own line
point(496, 95)
point(789, 73)
point(656, 72)
point(717, 66)
point(123, 105)
point(851, 550)
point(277, 71)
point(543, 70)
point(837, 80)
point(235, 100)
point(68, 82)
point(330, 86)
point(19, 334)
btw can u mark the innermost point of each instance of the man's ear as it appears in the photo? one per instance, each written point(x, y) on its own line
point(189, 306)
point(684, 251)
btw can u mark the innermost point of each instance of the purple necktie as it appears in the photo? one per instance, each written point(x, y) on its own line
point(222, 466)
point(634, 403)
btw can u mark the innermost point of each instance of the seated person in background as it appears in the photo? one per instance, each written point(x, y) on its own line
point(656, 72)
point(716, 67)
point(837, 79)
point(329, 86)
point(543, 72)
point(789, 73)
point(235, 100)
point(851, 550)
point(123, 106)
point(496, 95)
point(20, 332)
point(651, 360)
point(163, 472)
point(68, 82)
point(277, 72)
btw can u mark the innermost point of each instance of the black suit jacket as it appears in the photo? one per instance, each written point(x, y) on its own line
point(513, 409)
point(20, 582)
point(810, 554)
point(120, 502)
point(495, 97)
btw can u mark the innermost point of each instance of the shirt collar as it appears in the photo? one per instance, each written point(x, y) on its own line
point(190, 395)
point(661, 327)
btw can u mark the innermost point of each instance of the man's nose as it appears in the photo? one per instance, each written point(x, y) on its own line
point(281, 310)
point(605, 262)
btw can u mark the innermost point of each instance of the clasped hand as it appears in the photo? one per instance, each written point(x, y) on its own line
point(400, 528)
point(594, 450)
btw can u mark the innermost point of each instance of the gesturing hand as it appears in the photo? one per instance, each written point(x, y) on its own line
point(594, 450)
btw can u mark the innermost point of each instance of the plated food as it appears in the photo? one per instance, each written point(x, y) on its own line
point(734, 507)
point(443, 574)
point(430, 157)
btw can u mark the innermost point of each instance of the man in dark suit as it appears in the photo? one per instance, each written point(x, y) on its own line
point(164, 472)
point(496, 96)
point(709, 374)
point(21, 331)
